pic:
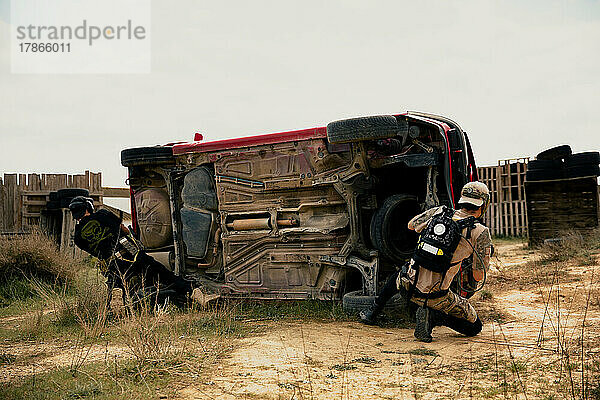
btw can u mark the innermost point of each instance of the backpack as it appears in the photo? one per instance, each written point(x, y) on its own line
point(438, 241)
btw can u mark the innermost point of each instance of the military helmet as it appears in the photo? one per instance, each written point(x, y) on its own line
point(79, 205)
point(476, 193)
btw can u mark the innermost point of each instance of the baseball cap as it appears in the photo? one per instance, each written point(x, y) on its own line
point(476, 193)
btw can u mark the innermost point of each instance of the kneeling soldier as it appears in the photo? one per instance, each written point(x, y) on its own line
point(447, 238)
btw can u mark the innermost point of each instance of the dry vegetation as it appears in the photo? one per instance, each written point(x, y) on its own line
point(541, 338)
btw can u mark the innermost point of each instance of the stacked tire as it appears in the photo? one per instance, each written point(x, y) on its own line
point(582, 164)
point(560, 163)
point(62, 198)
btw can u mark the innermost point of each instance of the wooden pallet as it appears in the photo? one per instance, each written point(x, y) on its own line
point(507, 214)
point(559, 206)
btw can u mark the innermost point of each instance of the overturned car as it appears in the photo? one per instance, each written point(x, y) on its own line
point(307, 214)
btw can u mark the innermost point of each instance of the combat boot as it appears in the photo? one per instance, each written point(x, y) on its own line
point(369, 315)
point(427, 319)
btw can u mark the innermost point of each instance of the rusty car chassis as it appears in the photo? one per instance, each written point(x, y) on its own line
point(307, 214)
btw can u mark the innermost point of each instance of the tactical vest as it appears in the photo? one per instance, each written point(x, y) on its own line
point(438, 241)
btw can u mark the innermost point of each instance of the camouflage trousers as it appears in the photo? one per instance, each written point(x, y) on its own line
point(450, 304)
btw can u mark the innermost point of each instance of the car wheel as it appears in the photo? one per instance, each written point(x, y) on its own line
point(388, 230)
point(146, 156)
point(587, 158)
point(365, 128)
point(355, 302)
point(555, 153)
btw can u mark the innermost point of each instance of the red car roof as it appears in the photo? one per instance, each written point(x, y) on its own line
point(269, 138)
point(278, 137)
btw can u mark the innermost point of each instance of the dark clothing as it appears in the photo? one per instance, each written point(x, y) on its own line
point(138, 275)
point(98, 233)
point(389, 290)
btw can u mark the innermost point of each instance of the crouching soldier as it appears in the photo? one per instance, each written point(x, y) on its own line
point(121, 258)
point(447, 238)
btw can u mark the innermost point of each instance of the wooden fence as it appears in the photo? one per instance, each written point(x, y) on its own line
point(24, 196)
point(24, 203)
point(507, 214)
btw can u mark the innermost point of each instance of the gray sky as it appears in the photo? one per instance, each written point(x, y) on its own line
point(517, 77)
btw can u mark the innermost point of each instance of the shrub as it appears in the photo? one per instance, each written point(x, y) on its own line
point(34, 256)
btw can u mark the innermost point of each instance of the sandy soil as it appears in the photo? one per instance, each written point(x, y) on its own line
point(530, 346)
point(517, 355)
point(34, 357)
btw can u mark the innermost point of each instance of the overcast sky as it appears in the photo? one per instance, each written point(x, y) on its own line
point(518, 76)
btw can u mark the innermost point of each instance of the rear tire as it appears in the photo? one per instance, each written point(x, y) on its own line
point(147, 156)
point(365, 128)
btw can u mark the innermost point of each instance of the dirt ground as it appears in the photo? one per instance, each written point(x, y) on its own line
point(533, 345)
point(517, 355)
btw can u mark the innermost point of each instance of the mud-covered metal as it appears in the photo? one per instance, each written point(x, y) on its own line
point(288, 216)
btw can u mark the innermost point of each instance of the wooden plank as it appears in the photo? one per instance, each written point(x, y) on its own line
point(10, 201)
point(116, 192)
point(560, 205)
point(98, 181)
point(2, 200)
point(513, 227)
point(504, 218)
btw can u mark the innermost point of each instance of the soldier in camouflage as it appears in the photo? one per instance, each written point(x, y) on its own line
point(431, 290)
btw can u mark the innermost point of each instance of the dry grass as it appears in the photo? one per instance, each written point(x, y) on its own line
point(35, 255)
point(564, 280)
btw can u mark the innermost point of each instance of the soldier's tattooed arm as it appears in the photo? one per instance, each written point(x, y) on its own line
point(419, 222)
point(483, 247)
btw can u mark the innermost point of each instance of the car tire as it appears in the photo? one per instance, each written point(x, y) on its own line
point(544, 164)
point(147, 156)
point(544, 174)
point(581, 159)
point(580, 171)
point(388, 230)
point(355, 302)
point(70, 193)
point(53, 205)
point(365, 128)
point(66, 195)
point(555, 153)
